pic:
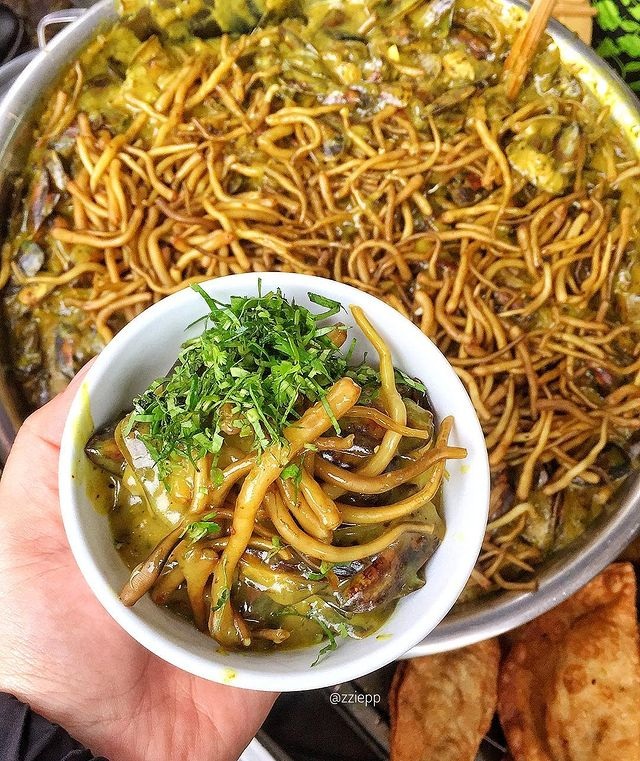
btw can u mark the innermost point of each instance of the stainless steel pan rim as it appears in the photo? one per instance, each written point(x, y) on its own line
point(563, 573)
point(567, 571)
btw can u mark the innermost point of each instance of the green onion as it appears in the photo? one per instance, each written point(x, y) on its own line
point(324, 570)
point(293, 472)
point(224, 596)
point(277, 546)
point(199, 529)
point(332, 644)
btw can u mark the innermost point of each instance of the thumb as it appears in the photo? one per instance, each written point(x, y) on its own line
point(48, 422)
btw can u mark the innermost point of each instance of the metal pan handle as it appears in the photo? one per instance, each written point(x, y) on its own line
point(55, 18)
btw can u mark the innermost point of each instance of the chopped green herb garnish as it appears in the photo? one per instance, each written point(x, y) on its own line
point(332, 307)
point(329, 633)
point(217, 477)
point(199, 529)
point(324, 570)
point(224, 596)
point(293, 472)
point(277, 546)
point(409, 381)
point(257, 362)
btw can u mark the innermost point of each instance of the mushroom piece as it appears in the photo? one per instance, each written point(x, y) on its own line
point(104, 452)
point(391, 575)
point(145, 574)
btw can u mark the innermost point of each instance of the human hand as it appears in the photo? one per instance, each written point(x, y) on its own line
point(64, 655)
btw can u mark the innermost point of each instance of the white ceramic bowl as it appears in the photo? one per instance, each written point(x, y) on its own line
point(146, 349)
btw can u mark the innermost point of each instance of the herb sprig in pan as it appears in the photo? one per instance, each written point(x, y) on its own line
point(256, 361)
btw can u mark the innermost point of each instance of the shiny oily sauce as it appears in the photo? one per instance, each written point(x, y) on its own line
point(268, 490)
point(374, 144)
point(272, 593)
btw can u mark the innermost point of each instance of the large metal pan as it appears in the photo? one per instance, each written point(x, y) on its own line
point(562, 573)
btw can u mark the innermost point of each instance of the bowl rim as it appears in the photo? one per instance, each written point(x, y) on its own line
point(72, 504)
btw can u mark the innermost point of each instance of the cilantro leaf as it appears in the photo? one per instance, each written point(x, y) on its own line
point(199, 529)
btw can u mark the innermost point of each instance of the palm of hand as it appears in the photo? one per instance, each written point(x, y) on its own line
point(62, 653)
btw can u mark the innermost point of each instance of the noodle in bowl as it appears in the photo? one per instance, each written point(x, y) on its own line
point(142, 352)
